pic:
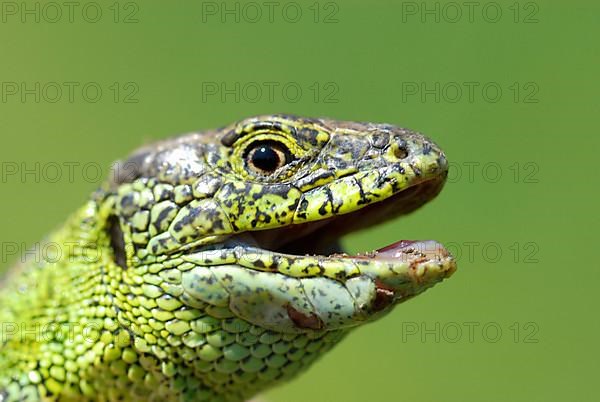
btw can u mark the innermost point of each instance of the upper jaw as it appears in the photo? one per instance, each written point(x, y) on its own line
point(322, 235)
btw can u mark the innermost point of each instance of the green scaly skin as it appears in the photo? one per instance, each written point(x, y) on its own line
point(194, 275)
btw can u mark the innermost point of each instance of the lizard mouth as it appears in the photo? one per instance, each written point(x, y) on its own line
point(280, 282)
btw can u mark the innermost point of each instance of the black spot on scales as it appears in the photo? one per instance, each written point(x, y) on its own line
point(127, 201)
point(426, 148)
point(340, 275)
point(162, 216)
point(323, 207)
point(217, 226)
point(302, 207)
point(309, 135)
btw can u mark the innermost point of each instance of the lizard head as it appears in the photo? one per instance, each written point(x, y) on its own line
point(229, 238)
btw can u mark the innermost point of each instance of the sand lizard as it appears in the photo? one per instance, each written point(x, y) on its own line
point(207, 267)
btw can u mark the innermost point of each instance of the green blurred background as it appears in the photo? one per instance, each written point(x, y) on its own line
point(517, 322)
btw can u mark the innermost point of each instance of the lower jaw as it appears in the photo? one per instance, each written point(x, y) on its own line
point(343, 291)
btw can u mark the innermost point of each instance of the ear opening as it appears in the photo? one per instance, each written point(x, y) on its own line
point(117, 241)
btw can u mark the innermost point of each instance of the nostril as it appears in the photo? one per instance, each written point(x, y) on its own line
point(400, 151)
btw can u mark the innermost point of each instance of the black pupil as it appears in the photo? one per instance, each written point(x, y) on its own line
point(265, 158)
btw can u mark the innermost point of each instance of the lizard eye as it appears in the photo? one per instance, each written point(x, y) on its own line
point(265, 157)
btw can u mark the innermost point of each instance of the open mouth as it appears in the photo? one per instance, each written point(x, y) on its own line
point(297, 278)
